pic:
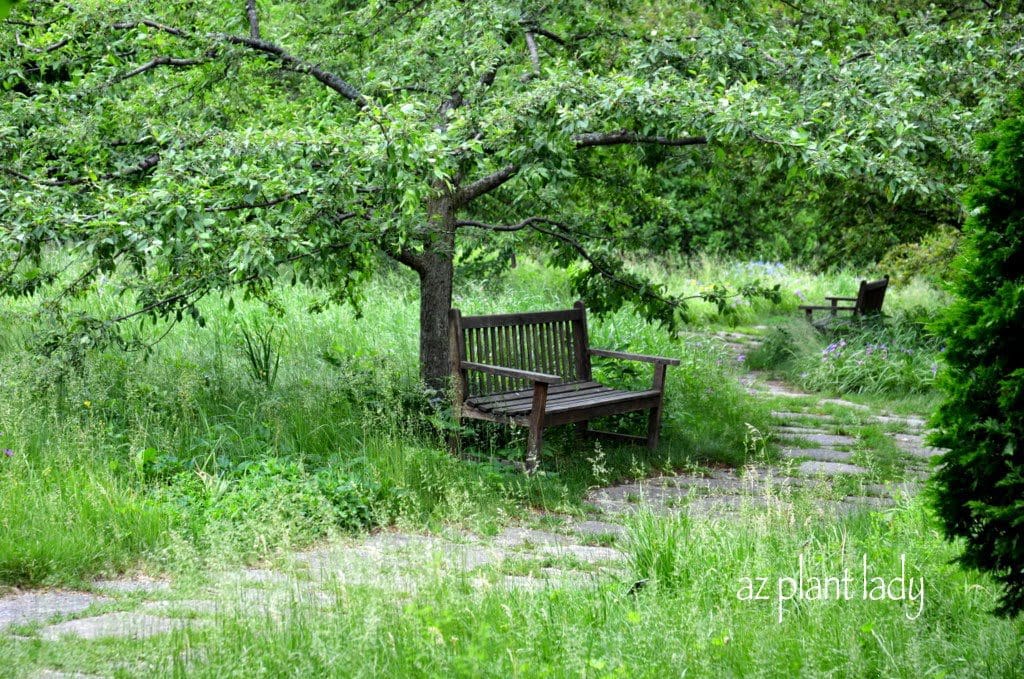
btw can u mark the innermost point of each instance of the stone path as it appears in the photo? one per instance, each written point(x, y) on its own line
point(821, 460)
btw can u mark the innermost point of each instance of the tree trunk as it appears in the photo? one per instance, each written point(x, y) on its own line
point(435, 301)
point(436, 269)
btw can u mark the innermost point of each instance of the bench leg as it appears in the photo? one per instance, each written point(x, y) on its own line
point(535, 439)
point(534, 444)
point(653, 427)
point(454, 436)
point(654, 419)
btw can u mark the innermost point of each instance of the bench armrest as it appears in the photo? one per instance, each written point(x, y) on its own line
point(511, 372)
point(827, 308)
point(633, 357)
point(842, 299)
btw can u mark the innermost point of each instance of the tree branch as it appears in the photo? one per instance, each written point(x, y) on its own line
point(254, 19)
point(49, 48)
point(329, 79)
point(531, 45)
point(481, 186)
point(268, 203)
point(588, 139)
point(151, 24)
point(157, 61)
point(539, 30)
point(326, 77)
point(147, 163)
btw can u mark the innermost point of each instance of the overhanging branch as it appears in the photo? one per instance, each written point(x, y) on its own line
point(481, 186)
point(329, 79)
point(147, 163)
point(588, 139)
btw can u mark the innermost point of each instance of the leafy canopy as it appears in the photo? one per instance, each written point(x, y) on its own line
point(197, 147)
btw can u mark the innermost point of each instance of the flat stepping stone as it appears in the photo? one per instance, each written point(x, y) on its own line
point(844, 403)
point(198, 606)
point(913, 444)
point(591, 527)
point(128, 585)
point(584, 553)
point(800, 431)
point(914, 423)
point(823, 439)
point(121, 624)
point(517, 537)
point(813, 467)
point(776, 388)
point(820, 454)
point(17, 609)
point(785, 415)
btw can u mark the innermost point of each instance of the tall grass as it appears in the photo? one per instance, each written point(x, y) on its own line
point(187, 427)
point(699, 626)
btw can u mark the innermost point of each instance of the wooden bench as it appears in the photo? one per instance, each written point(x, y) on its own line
point(868, 300)
point(533, 370)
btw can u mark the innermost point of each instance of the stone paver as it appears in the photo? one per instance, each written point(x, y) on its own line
point(913, 444)
point(822, 439)
point(592, 527)
point(820, 454)
point(786, 415)
point(120, 624)
point(830, 468)
point(124, 585)
point(29, 607)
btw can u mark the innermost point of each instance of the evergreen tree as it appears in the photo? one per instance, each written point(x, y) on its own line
point(980, 486)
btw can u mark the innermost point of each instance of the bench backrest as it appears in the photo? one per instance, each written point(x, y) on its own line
point(870, 296)
point(553, 342)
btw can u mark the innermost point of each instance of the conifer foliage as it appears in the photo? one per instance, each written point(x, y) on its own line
point(980, 486)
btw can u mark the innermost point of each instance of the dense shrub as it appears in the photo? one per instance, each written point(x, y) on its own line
point(929, 259)
point(981, 482)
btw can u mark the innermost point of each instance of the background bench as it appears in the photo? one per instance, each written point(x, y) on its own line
point(533, 370)
point(868, 300)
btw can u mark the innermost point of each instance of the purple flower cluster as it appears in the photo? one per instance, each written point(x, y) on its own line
point(833, 349)
point(880, 348)
point(7, 451)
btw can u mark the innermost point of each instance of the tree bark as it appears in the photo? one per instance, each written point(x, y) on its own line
point(436, 270)
point(435, 301)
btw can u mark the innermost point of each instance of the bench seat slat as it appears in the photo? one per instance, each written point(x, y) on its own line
point(566, 401)
point(524, 405)
point(527, 394)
